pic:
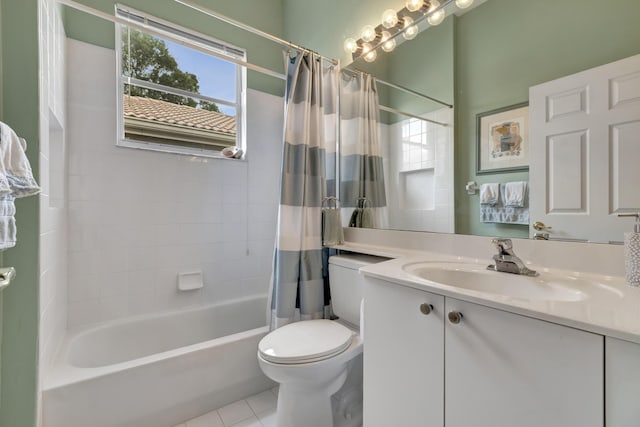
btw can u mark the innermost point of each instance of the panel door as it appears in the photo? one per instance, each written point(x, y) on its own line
point(506, 370)
point(403, 357)
point(585, 152)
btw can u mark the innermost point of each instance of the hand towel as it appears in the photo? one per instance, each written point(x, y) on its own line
point(7, 222)
point(332, 233)
point(15, 165)
point(515, 193)
point(489, 193)
point(366, 218)
point(355, 219)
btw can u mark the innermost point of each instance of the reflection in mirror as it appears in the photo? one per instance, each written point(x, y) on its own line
point(484, 60)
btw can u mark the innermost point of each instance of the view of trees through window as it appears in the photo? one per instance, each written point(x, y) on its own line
point(181, 91)
point(147, 58)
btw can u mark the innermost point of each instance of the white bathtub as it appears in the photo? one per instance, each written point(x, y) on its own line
point(157, 371)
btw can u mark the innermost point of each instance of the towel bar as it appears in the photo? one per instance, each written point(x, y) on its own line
point(6, 275)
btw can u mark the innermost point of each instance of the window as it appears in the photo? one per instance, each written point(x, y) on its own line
point(418, 148)
point(180, 91)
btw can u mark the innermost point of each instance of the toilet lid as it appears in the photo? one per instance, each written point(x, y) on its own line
point(305, 342)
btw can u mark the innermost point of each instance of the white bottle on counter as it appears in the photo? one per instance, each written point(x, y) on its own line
point(632, 253)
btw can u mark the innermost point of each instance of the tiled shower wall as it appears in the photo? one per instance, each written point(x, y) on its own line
point(53, 212)
point(138, 218)
point(419, 169)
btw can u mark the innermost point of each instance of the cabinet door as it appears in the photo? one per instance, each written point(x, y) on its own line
point(403, 357)
point(622, 383)
point(505, 370)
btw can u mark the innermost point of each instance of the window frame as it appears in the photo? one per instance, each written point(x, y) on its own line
point(192, 39)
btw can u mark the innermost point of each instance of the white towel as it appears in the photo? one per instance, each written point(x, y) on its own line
point(7, 205)
point(489, 193)
point(7, 222)
point(15, 170)
point(515, 193)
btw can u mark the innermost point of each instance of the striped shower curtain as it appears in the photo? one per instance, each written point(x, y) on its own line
point(299, 284)
point(361, 156)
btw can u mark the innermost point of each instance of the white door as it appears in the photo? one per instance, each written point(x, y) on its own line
point(585, 152)
point(403, 356)
point(505, 370)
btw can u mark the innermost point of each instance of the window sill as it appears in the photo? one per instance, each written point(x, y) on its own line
point(160, 148)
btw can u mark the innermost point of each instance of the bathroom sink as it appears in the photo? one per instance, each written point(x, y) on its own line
point(476, 277)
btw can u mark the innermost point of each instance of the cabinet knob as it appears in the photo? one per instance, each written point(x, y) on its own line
point(426, 308)
point(455, 317)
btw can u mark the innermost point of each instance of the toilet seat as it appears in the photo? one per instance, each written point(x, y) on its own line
point(305, 342)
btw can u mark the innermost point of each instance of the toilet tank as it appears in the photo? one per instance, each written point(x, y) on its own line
point(347, 285)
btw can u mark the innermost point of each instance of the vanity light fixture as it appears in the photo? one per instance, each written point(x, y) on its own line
point(463, 4)
point(350, 45)
point(436, 15)
point(414, 5)
point(389, 18)
point(388, 43)
point(369, 53)
point(410, 30)
point(368, 33)
point(394, 23)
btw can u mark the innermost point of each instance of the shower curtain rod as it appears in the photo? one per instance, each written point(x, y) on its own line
point(251, 29)
point(118, 20)
point(413, 116)
point(401, 88)
point(282, 42)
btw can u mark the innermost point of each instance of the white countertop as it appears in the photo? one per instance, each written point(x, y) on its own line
point(610, 308)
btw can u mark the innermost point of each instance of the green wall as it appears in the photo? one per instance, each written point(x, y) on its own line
point(505, 46)
point(20, 110)
point(266, 15)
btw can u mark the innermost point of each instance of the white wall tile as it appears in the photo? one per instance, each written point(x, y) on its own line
point(53, 220)
point(138, 218)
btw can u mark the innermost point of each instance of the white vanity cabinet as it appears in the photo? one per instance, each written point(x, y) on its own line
point(491, 369)
point(403, 357)
point(503, 369)
point(622, 370)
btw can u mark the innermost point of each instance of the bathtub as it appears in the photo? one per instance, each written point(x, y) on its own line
point(157, 370)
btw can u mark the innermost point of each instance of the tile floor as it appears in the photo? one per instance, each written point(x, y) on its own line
point(258, 410)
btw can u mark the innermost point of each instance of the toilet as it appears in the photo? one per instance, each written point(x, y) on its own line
point(311, 359)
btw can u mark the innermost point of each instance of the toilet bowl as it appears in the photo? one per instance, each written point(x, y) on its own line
point(311, 359)
point(306, 385)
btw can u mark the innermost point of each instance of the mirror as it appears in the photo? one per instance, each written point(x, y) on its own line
point(484, 60)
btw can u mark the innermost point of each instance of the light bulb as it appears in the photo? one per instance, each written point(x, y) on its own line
point(368, 33)
point(350, 45)
point(436, 17)
point(389, 18)
point(414, 5)
point(388, 44)
point(463, 4)
point(410, 31)
point(369, 54)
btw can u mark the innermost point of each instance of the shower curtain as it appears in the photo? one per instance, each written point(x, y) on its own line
point(299, 283)
point(361, 159)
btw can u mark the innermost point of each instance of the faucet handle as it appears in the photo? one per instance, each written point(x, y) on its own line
point(502, 244)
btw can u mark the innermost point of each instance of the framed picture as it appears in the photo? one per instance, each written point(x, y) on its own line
point(503, 139)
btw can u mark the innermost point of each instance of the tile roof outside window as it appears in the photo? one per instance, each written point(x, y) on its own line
point(182, 115)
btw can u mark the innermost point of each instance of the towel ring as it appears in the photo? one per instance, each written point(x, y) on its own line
point(326, 202)
point(361, 202)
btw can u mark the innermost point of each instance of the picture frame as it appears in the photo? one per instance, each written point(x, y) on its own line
point(503, 139)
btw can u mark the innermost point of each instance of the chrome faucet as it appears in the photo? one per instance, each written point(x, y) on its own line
point(506, 260)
